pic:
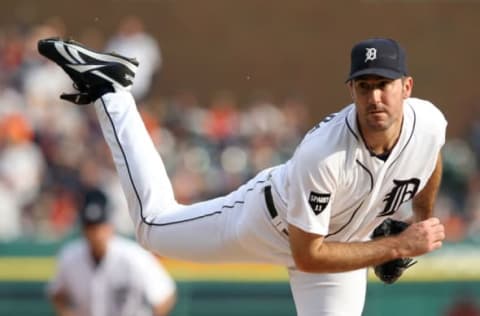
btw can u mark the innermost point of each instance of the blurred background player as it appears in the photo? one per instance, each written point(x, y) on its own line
point(104, 274)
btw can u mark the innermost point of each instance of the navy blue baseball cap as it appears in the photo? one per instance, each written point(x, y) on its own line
point(94, 208)
point(383, 57)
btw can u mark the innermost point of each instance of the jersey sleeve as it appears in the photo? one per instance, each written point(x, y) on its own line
point(434, 124)
point(431, 119)
point(311, 190)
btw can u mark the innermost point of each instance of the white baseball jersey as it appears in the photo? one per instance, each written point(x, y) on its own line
point(128, 281)
point(332, 186)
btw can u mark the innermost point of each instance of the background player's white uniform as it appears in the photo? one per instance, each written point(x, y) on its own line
point(332, 186)
point(128, 280)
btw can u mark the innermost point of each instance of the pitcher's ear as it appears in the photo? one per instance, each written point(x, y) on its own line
point(349, 84)
point(407, 83)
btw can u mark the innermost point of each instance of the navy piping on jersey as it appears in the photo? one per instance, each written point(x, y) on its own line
point(369, 173)
point(138, 196)
point(356, 210)
point(409, 139)
point(350, 128)
point(349, 221)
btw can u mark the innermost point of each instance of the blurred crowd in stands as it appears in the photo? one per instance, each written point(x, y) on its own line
point(51, 152)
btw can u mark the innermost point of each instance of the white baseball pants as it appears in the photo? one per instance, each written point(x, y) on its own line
point(234, 228)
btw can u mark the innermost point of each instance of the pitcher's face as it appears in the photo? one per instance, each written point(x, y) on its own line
point(379, 101)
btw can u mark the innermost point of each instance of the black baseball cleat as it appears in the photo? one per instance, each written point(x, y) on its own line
point(93, 73)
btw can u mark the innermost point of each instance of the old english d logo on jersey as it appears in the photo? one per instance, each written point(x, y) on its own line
point(318, 201)
point(403, 191)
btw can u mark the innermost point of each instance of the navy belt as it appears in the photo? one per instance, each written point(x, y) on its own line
point(277, 221)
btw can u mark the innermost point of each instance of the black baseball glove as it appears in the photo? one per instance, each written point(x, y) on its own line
point(390, 271)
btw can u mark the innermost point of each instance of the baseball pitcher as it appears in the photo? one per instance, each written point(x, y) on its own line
point(315, 213)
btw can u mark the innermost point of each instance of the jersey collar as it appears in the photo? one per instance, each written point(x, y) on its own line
point(406, 134)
